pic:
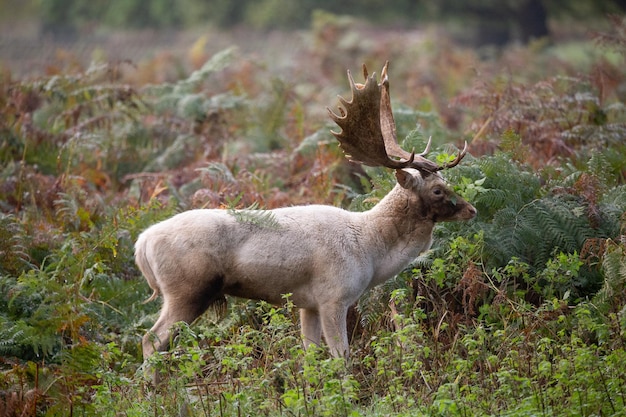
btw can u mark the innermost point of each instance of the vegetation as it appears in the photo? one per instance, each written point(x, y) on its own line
point(483, 21)
point(519, 312)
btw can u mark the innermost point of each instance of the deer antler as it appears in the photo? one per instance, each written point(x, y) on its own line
point(368, 130)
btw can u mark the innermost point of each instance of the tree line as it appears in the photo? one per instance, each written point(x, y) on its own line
point(496, 21)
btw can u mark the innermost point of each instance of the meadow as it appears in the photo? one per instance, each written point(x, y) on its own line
point(521, 311)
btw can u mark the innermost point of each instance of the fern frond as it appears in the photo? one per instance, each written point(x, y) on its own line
point(216, 63)
point(550, 225)
point(597, 167)
point(502, 239)
point(311, 143)
point(255, 216)
point(613, 205)
point(217, 172)
point(520, 185)
point(24, 340)
point(11, 340)
point(369, 307)
point(492, 198)
point(614, 268)
point(13, 252)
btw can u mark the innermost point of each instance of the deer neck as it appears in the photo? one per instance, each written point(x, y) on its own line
point(398, 225)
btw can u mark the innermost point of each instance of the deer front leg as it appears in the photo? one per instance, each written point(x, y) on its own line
point(311, 328)
point(333, 319)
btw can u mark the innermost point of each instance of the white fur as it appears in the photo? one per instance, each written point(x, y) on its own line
point(324, 256)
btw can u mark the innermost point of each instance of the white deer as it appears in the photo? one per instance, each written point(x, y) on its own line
point(324, 256)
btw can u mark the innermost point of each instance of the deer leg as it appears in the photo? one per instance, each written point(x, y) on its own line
point(334, 326)
point(311, 328)
point(159, 336)
point(184, 307)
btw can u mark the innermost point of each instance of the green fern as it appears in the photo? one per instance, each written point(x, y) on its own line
point(541, 228)
point(27, 325)
point(534, 222)
point(254, 215)
point(614, 268)
point(217, 173)
point(181, 88)
point(12, 339)
point(13, 246)
point(597, 167)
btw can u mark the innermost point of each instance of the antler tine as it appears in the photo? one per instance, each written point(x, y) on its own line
point(427, 148)
point(383, 73)
point(456, 161)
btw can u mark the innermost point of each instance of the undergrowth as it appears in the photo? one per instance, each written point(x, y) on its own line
point(518, 312)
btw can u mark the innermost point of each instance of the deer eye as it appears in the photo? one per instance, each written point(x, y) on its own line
point(437, 191)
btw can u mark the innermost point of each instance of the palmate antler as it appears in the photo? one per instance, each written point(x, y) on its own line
point(368, 130)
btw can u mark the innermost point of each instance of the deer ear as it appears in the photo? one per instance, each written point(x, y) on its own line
point(406, 179)
point(424, 173)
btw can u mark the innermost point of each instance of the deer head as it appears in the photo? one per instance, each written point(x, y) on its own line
point(368, 129)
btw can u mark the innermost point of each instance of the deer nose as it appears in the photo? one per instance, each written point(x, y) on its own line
point(471, 211)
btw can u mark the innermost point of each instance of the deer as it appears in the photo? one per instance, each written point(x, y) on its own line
point(323, 257)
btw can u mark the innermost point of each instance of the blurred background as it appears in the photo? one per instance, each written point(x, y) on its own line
point(34, 34)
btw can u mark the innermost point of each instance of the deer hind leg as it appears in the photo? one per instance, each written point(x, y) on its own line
point(333, 318)
point(159, 337)
point(185, 307)
point(311, 327)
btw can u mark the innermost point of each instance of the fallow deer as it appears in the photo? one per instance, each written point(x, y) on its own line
point(324, 256)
